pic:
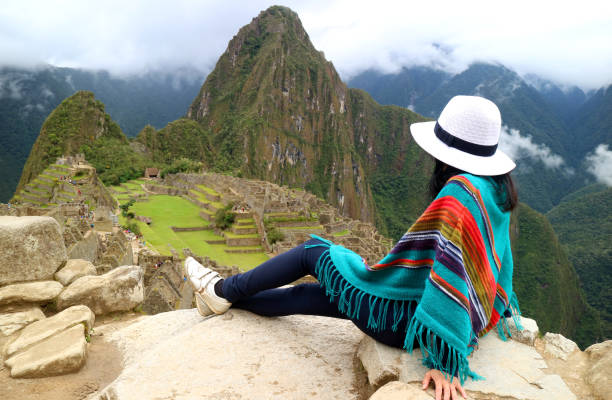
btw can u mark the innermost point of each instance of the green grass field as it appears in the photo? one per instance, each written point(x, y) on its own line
point(167, 211)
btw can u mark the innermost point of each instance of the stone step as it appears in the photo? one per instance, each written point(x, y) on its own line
point(47, 178)
point(207, 215)
point(244, 230)
point(216, 241)
point(242, 241)
point(35, 189)
point(244, 251)
point(245, 221)
point(245, 215)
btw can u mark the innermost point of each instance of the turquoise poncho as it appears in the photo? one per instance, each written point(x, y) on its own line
point(453, 268)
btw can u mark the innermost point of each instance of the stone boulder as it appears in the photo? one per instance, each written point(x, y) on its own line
point(599, 374)
point(238, 355)
point(60, 354)
point(30, 292)
point(511, 370)
point(45, 328)
point(121, 289)
point(32, 249)
point(12, 320)
point(559, 346)
point(73, 270)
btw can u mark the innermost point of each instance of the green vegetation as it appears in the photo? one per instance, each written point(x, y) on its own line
point(547, 286)
point(224, 217)
point(584, 225)
point(182, 165)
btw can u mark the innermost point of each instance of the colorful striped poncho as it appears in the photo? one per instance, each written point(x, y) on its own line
point(455, 263)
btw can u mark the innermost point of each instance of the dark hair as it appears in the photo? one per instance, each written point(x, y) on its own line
point(443, 172)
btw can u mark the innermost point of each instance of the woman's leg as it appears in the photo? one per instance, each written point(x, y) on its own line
point(306, 299)
point(278, 271)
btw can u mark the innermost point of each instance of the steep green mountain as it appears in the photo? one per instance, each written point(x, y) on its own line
point(592, 123)
point(584, 225)
point(28, 96)
point(81, 125)
point(277, 110)
point(563, 101)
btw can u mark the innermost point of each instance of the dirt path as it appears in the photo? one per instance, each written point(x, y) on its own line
point(104, 363)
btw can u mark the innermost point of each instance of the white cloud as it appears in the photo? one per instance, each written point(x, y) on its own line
point(599, 163)
point(521, 147)
point(556, 39)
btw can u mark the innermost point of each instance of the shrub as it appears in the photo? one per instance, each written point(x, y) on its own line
point(274, 235)
point(224, 218)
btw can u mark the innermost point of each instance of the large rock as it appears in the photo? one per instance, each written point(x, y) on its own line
point(46, 328)
point(559, 346)
point(60, 354)
point(73, 270)
point(31, 292)
point(599, 375)
point(121, 289)
point(235, 356)
point(528, 334)
point(32, 249)
point(11, 322)
point(512, 370)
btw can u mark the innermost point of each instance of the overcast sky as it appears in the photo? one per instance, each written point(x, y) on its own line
point(568, 42)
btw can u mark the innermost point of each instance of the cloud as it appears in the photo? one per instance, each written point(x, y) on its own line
point(599, 163)
point(522, 147)
point(558, 41)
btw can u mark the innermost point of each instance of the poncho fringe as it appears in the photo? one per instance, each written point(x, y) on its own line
point(350, 300)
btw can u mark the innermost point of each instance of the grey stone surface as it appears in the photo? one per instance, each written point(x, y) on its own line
point(32, 249)
point(380, 361)
point(121, 289)
point(11, 322)
point(60, 354)
point(46, 328)
point(559, 346)
point(86, 249)
point(73, 270)
point(511, 370)
point(238, 355)
point(30, 292)
point(529, 333)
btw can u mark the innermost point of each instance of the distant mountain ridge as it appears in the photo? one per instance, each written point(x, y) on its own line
point(27, 96)
point(558, 126)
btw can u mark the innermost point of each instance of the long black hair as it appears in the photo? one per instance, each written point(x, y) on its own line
point(443, 172)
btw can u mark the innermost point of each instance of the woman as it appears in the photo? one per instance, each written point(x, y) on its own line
point(446, 282)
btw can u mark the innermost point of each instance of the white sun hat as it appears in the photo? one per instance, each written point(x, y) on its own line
point(466, 136)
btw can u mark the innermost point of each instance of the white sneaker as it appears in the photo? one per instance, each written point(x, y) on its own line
point(203, 281)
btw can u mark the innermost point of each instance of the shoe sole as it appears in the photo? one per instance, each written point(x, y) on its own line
point(203, 308)
point(201, 305)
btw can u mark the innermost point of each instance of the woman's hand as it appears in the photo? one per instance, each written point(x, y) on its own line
point(443, 386)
